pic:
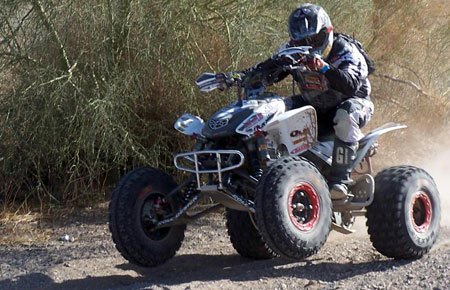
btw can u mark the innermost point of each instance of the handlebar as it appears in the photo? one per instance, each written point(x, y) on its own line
point(285, 60)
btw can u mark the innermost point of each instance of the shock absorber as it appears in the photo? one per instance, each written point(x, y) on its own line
point(261, 147)
point(191, 190)
point(258, 154)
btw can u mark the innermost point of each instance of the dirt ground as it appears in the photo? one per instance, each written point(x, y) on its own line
point(87, 259)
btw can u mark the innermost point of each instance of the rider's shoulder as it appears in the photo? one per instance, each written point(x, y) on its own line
point(340, 45)
point(341, 48)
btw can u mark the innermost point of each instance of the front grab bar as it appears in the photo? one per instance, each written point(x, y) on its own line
point(196, 167)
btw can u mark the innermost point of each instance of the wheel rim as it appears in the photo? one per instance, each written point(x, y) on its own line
point(154, 208)
point(421, 212)
point(303, 207)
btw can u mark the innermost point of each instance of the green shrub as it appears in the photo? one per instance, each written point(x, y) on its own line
point(90, 89)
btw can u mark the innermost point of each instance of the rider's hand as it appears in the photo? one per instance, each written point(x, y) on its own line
point(316, 64)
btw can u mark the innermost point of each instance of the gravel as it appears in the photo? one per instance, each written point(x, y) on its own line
point(79, 254)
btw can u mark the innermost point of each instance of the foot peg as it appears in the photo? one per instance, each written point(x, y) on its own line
point(339, 191)
point(363, 189)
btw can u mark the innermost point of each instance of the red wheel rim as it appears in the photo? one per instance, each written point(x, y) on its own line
point(421, 212)
point(153, 209)
point(303, 206)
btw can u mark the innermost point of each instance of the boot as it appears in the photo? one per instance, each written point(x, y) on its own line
point(341, 168)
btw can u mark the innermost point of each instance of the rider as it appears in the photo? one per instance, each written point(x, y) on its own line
point(336, 85)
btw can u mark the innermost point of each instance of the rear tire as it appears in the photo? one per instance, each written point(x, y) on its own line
point(293, 208)
point(403, 220)
point(245, 237)
point(139, 196)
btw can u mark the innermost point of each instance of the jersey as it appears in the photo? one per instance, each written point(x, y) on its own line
point(347, 78)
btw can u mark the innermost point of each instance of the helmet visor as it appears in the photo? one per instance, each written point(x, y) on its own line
point(315, 40)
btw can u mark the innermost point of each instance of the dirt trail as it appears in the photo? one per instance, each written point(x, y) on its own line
point(208, 261)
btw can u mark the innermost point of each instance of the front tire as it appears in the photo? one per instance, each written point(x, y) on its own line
point(293, 208)
point(136, 203)
point(403, 220)
point(245, 237)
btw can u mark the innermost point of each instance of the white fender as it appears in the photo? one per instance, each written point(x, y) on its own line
point(296, 129)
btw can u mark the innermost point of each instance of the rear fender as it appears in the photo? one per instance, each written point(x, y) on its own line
point(367, 141)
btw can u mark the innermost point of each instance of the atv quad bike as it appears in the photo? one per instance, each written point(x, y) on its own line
point(265, 165)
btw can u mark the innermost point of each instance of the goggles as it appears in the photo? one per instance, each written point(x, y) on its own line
point(316, 40)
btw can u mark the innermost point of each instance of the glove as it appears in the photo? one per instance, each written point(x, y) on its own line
point(316, 64)
point(289, 60)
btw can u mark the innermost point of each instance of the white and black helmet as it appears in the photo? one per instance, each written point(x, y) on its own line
point(310, 25)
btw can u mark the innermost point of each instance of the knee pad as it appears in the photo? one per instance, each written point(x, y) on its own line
point(346, 127)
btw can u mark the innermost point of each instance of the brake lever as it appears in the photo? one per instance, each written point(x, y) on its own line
point(299, 66)
point(302, 50)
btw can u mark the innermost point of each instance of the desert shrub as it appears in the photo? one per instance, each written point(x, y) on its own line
point(90, 89)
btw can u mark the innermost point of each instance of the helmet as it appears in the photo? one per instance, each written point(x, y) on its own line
point(310, 25)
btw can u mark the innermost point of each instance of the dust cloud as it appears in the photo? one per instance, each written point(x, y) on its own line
point(439, 168)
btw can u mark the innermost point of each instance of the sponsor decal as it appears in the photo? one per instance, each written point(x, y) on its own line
point(302, 138)
point(254, 123)
point(298, 136)
point(299, 149)
point(218, 124)
point(253, 120)
point(314, 81)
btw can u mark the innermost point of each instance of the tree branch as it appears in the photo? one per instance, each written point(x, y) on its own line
point(406, 82)
point(16, 30)
point(51, 28)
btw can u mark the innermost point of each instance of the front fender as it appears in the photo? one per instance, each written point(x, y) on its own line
point(296, 129)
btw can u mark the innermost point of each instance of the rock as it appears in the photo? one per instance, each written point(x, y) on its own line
point(67, 238)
